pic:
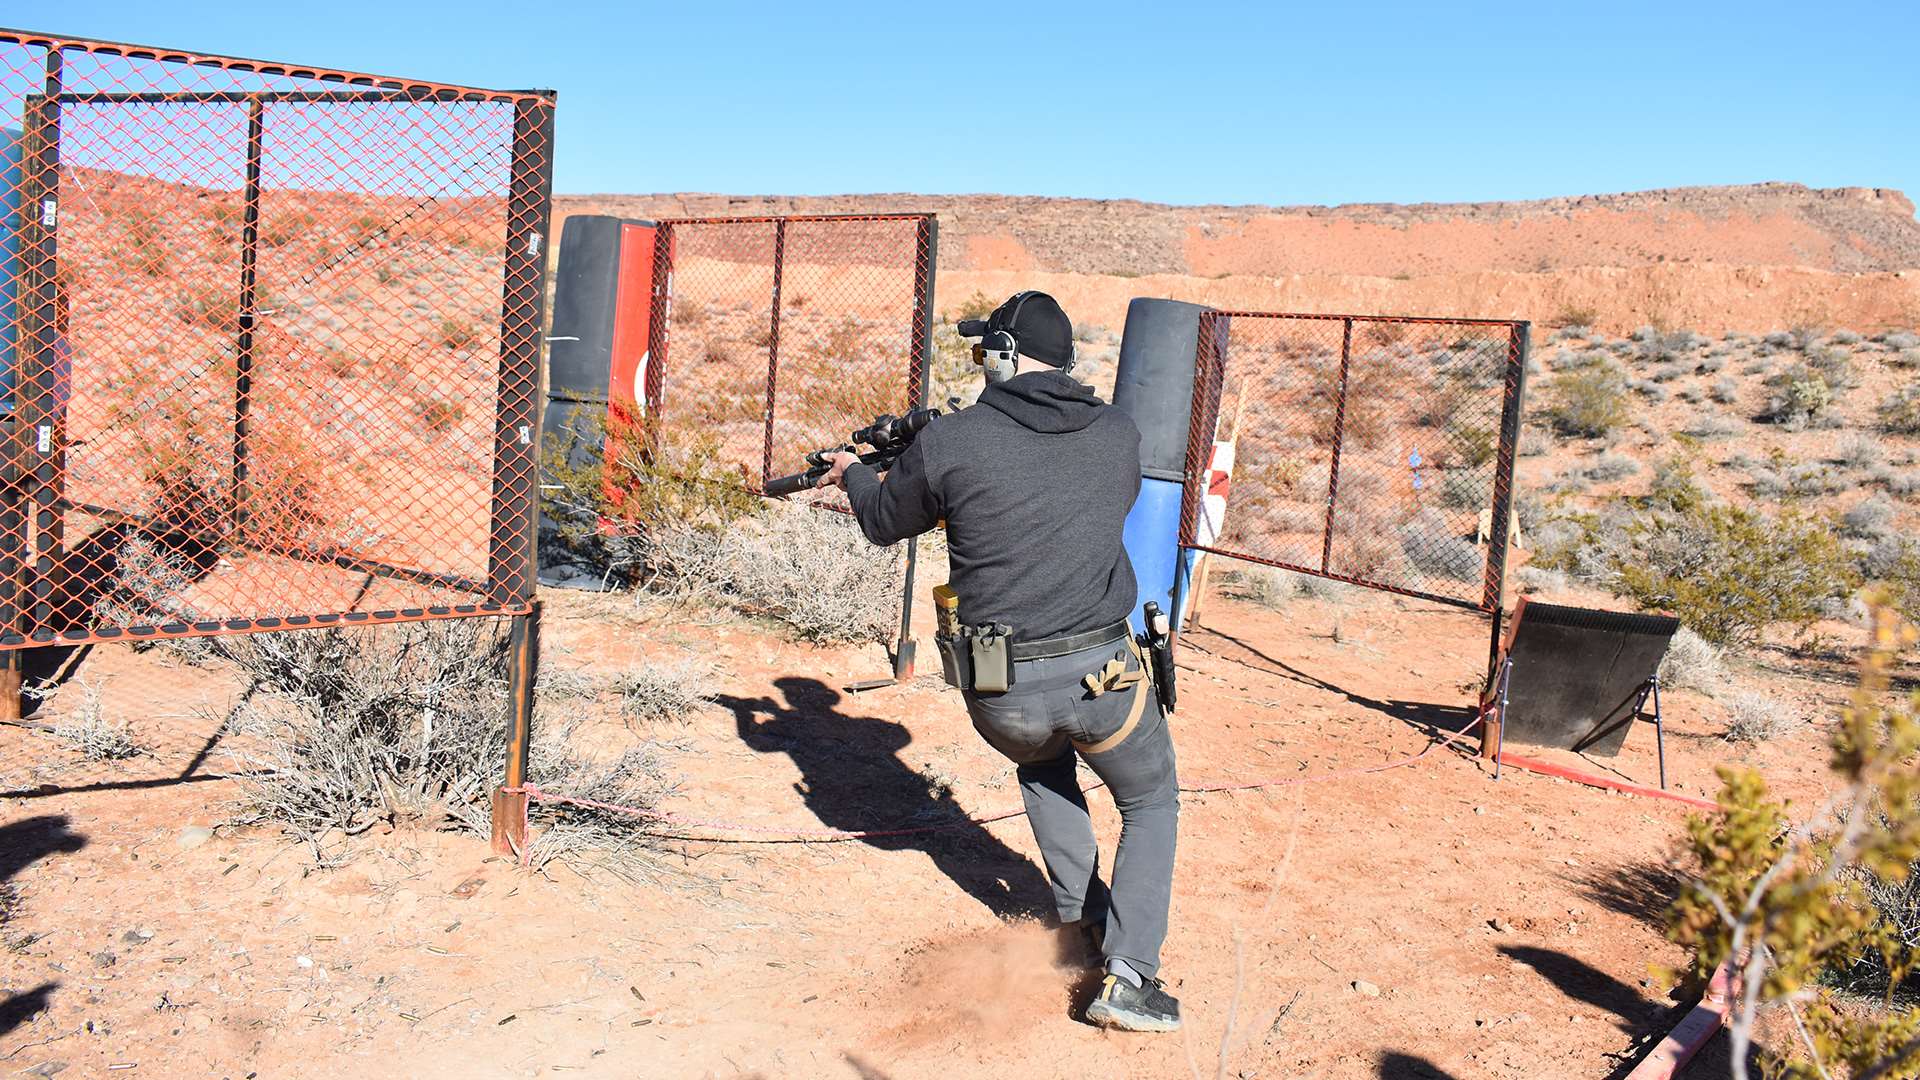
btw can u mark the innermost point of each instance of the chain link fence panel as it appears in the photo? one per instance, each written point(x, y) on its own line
point(270, 338)
point(776, 336)
point(1376, 450)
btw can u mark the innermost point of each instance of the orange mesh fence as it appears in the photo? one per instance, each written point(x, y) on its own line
point(777, 336)
point(272, 336)
point(1376, 450)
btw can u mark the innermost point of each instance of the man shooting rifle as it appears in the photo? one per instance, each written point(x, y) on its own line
point(1034, 483)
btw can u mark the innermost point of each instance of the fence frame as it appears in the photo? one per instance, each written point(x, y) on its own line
point(34, 448)
point(919, 354)
point(1210, 368)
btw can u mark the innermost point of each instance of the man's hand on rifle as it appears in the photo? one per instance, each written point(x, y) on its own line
point(837, 475)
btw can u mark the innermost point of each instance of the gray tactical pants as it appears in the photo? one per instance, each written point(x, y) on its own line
point(1040, 724)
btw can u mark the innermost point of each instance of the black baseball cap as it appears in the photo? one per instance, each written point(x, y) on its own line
point(1036, 322)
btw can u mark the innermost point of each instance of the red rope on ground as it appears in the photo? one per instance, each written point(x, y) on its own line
point(777, 835)
point(1548, 768)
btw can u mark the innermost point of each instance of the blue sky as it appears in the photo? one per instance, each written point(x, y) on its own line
point(1168, 102)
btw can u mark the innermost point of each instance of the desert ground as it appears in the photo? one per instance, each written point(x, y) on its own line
point(1356, 896)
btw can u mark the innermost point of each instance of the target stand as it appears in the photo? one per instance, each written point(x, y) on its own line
point(1577, 679)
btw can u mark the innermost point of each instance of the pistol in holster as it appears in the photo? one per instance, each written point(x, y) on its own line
point(978, 658)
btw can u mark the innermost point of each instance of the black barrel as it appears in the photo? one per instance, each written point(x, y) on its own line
point(1155, 381)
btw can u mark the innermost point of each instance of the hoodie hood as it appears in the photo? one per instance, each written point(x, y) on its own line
point(1049, 402)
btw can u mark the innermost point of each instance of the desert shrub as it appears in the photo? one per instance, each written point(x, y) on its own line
point(664, 691)
point(438, 415)
point(1900, 413)
point(208, 308)
point(1667, 372)
point(1715, 360)
point(1869, 518)
point(1465, 489)
point(1711, 425)
point(600, 514)
point(458, 334)
point(1900, 339)
point(1810, 478)
point(1263, 585)
point(808, 568)
point(1539, 579)
point(91, 734)
point(1901, 482)
point(1692, 395)
point(277, 230)
point(1577, 316)
point(1474, 444)
point(1753, 718)
point(402, 725)
point(1652, 391)
point(1574, 359)
point(1858, 451)
point(1609, 467)
point(1783, 903)
point(1430, 549)
point(1589, 401)
point(977, 306)
point(1734, 570)
point(1844, 337)
point(1799, 397)
point(1724, 390)
point(1693, 663)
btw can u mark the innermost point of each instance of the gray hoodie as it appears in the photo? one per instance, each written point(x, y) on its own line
point(1034, 483)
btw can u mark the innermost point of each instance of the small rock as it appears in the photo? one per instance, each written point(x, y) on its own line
point(104, 959)
point(137, 937)
point(193, 836)
point(47, 1068)
point(303, 961)
point(1501, 926)
point(1365, 988)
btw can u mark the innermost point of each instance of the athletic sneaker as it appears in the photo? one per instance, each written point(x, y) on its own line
point(1134, 1008)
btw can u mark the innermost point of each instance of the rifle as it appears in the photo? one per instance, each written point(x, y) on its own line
point(888, 435)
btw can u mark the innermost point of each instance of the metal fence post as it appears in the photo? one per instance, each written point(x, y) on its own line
point(927, 243)
point(1339, 436)
point(39, 418)
point(1494, 598)
point(513, 557)
point(249, 306)
point(773, 347)
point(523, 666)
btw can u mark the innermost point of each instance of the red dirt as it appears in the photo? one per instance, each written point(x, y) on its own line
point(1754, 257)
point(1506, 926)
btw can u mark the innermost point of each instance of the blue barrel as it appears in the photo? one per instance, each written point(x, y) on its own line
point(1154, 385)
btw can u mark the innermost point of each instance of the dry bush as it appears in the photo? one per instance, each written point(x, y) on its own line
point(1263, 585)
point(598, 516)
point(806, 567)
point(1869, 519)
point(665, 691)
point(1693, 663)
point(1589, 401)
point(1756, 718)
point(352, 728)
point(1900, 413)
point(89, 733)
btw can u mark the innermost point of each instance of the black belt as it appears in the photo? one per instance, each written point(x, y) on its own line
point(1048, 648)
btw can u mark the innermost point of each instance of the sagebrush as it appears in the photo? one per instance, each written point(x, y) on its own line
point(346, 729)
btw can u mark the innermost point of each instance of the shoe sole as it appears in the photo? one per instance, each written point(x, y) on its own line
point(1106, 1015)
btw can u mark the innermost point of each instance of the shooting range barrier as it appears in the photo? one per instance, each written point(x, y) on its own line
point(1365, 448)
point(276, 334)
point(742, 341)
point(777, 336)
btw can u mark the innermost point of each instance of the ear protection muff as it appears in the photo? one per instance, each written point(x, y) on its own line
point(999, 349)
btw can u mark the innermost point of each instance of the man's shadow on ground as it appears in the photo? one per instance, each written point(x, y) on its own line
point(852, 778)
